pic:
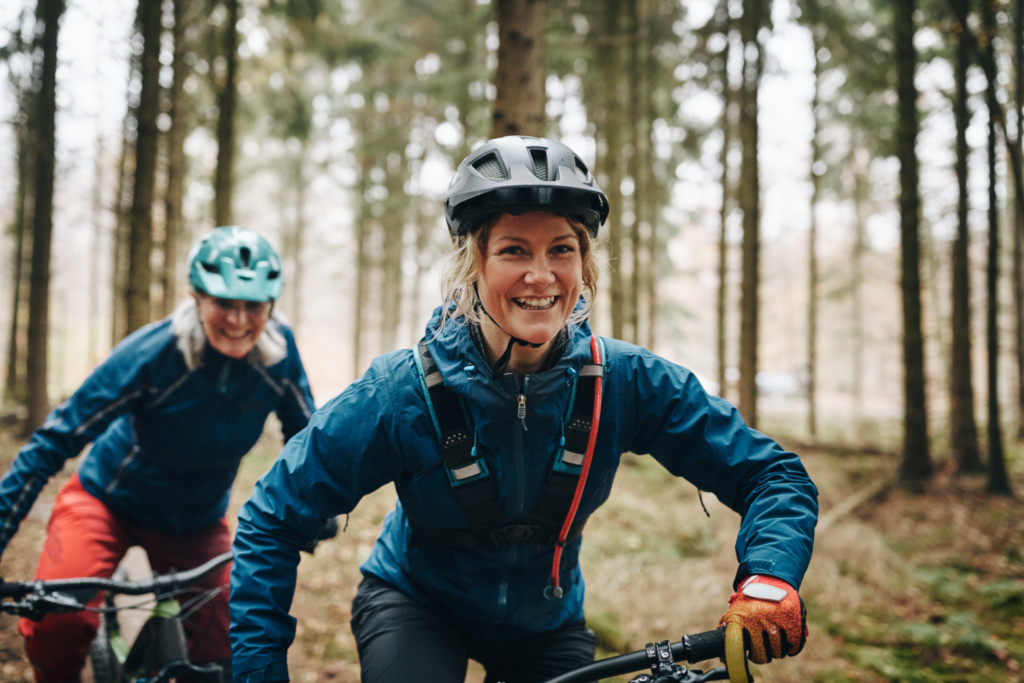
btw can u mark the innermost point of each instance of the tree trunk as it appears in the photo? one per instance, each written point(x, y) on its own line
point(963, 432)
point(92, 344)
point(812, 243)
point(609, 57)
point(140, 241)
point(48, 13)
point(224, 181)
point(362, 265)
point(119, 246)
point(393, 224)
point(14, 386)
point(175, 163)
point(723, 241)
point(998, 480)
point(1018, 229)
point(861, 191)
point(749, 197)
point(298, 234)
point(636, 170)
point(916, 464)
point(520, 74)
point(652, 198)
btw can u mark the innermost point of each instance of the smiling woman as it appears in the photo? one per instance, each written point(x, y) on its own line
point(170, 415)
point(502, 433)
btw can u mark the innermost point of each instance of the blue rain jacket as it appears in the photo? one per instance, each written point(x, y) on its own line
point(379, 431)
point(166, 440)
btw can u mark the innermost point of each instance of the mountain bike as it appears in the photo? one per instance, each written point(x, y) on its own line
point(662, 661)
point(159, 652)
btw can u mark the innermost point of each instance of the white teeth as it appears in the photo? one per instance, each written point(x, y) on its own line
point(234, 335)
point(535, 302)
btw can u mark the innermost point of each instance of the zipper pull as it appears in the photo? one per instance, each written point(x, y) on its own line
point(521, 412)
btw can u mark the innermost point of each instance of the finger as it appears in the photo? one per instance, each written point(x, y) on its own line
point(757, 653)
point(773, 642)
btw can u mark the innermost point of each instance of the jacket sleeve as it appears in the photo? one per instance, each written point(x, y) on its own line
point(344, 454)
point(704, 439)
point(112, 389)
point(296, 405)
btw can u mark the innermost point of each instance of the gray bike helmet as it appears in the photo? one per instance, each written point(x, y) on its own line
point(234, 263)
point(516, 174)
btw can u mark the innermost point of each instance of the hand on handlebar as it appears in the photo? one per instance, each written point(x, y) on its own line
point(772, 616)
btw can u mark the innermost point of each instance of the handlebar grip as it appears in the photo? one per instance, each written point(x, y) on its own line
point(707, 645)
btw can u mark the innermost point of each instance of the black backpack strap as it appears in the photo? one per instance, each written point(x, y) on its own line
point(471, 481)
point(560, 486)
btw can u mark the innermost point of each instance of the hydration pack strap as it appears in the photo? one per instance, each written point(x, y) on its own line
point(471, 482)
point(474, 487)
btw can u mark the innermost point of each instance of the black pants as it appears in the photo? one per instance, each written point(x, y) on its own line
point(401, 641)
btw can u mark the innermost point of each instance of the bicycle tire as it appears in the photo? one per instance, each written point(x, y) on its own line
point(105, 667)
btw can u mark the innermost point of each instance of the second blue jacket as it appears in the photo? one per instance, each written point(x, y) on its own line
point(169, 425)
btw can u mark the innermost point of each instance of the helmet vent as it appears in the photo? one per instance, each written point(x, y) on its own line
point(273, 275)
point(581, 171)
point(245, 255)
point(540, 163)
point(490, 167)
point(210, 268)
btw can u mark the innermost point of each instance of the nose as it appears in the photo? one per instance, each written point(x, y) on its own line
point(236, 315)
point(539, 272)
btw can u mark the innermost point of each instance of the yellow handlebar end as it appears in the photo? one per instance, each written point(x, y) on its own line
point(735, 655)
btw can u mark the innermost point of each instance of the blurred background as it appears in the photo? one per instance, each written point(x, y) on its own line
point(816, 206)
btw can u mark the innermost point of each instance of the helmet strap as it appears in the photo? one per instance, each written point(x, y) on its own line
point(502, 363)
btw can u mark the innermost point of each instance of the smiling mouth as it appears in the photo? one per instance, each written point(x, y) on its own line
point(535, 303)
point(234, 335)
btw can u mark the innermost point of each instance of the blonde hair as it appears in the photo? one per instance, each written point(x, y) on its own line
point(463, 266)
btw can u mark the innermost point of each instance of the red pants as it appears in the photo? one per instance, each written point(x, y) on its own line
point(85, 538)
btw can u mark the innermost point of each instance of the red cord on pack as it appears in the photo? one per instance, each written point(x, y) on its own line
point(556, 591)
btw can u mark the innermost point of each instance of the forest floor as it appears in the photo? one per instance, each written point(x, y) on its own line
point(919, 588)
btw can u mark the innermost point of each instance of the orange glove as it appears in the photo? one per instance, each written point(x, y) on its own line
point(772, 615)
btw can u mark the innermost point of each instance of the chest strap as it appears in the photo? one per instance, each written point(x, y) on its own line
point(472, 483)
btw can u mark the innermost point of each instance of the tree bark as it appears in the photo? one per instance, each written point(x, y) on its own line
point(652, 197)
point(48, 13)
point(916, 465)
point(963, 431)
point(998, 480)
point(175, 163)
point(812, 244)
point(1018, 229)
point(723, 241)
point(749, 197)
point(520, 74)
point(92, 345)
point(634, 166)
point(861, 191)
point(140, 269)
point(610, 161)
point(224, 180)
point(14, 386)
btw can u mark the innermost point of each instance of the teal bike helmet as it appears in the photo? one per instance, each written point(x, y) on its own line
point(234, 263)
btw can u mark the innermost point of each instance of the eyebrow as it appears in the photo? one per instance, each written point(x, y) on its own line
point(523, 240)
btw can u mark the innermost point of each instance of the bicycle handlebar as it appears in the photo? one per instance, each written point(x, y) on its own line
point(692, 649)
point(157, 584)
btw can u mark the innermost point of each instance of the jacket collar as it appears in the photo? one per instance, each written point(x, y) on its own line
point(453, 349)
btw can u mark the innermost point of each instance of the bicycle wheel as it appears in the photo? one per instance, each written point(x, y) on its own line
point(105, 667)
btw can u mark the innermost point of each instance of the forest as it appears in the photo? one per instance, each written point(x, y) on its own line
point(817, 206)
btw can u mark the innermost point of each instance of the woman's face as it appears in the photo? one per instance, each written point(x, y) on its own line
point(532, 274)
point(232, 326)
